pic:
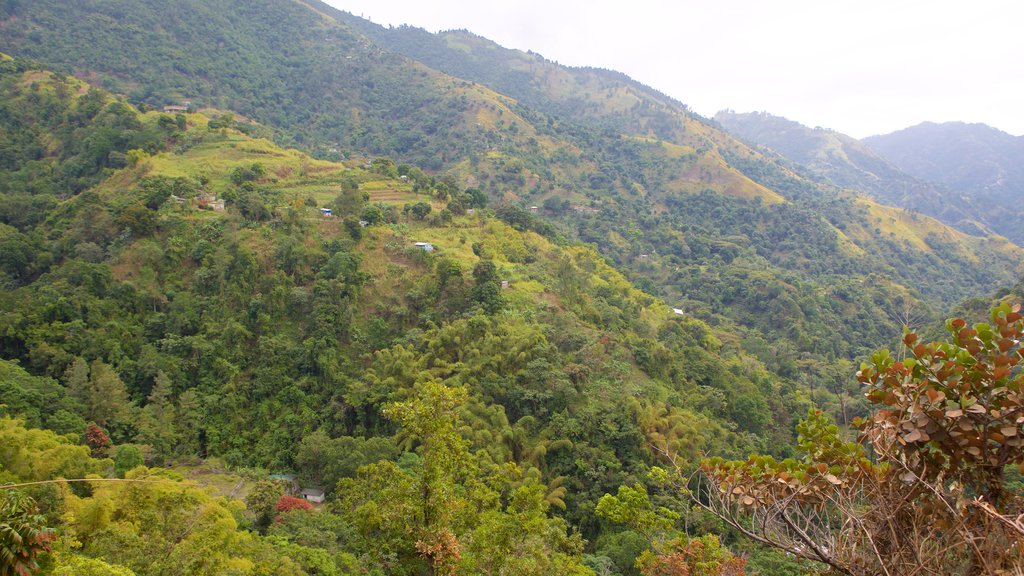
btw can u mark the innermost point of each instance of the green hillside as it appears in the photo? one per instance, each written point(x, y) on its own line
point(467, 292)
point(605, 160)
point(272, 336)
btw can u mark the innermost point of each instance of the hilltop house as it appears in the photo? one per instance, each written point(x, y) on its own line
point(425, 246)
point(175, 109)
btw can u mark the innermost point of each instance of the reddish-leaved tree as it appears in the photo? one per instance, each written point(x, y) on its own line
point(97, 440)
point(286, 504)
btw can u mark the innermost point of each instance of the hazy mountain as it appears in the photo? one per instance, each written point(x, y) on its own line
point(982, 163)
point(848, 163)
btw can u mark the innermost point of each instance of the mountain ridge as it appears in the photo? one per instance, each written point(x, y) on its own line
point(983, 163)
point(611, 162)
point(848, 163)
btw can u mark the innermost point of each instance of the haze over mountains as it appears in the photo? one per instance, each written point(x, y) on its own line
point(967, 175)
point(977, 161)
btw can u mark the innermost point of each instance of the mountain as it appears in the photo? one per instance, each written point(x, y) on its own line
point(194, 299)
point(467, 310)
point(604, 159)
point(979, 162)
point(847, 163)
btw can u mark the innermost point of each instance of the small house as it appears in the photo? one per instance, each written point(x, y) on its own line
point(404, 178)
point(534, 209)
point(327, 211)
point(175, 109)
point(505, 284)
point(425, 246)
point(314, 495)
point(471, 211)
point(364, 223)
point(678, 312)
point(177, 199)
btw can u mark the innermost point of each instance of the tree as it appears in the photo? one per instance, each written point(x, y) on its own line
point(487, 288)
point(672, 552)
point(126, 457)
point(373, 214)
point(106, 397)
point(931, 497)
point(414, 514)
point(190, 416)
point(135, 156)
point(286, 504)
point(419, 210)
point(433, 419)
point(157, 427)
point(23, 533)
point(353, 227)
point(74, 565)
point(76, 379)
point(137, 219)
point(261, 500)
point(96, 439)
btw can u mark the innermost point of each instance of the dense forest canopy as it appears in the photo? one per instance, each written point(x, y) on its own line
point(472, 318)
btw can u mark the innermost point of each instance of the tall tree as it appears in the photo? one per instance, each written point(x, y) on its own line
point(76, 379)
point(106, 398)
point(157, 425)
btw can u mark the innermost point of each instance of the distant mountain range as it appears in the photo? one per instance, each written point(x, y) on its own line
point(982, 163)
point(967, 175)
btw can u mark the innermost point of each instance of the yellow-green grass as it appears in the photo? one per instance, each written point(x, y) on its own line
point(212, 476)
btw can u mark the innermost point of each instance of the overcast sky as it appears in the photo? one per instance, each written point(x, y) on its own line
point(862, 68)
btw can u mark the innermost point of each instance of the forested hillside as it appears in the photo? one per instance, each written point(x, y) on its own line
point(473, 296)
point(273, 336)
point(604, 159)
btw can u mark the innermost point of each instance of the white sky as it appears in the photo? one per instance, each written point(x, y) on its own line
point(860, 67)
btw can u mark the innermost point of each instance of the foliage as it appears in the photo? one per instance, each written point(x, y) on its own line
point(23, 533)
point(933, 499)
point(956, 408)
point(96, 439)
point(41, 401)
point(671, 553)
point(702, 556)
point(288, 503)
point(126, 457)
point(466, 426)
point(71, 565)
point(261, 500)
